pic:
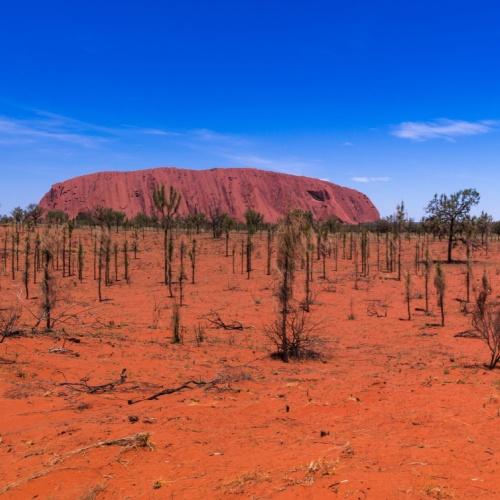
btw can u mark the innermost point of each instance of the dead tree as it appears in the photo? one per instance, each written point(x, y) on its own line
point(95, 257)
point(125, 262)
point(440, 285)
point(71, 227)
point(428, 263)
point(81, 256)
point(64, 253)
point(48, 289)
point(176, 325)
point(308, 250)
point(115, 256)
point(486, 321)
point(182, 274)
point(99, 265)
point(408, 292)
point(249, 247)
point(26, 274)
point(269, 249)
point(36, 258)
point(13, 257)
point(107, 259)
point(192, 258)
point(468, 273)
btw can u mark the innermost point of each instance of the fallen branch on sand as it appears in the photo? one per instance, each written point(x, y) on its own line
point(191, 384)
point(5, 361)
point(83, 386)
point(214, 318)
point(140, 440)
point(64, 350)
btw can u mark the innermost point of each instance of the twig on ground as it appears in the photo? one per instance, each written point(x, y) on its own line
point(191, 384)
point(140, 440)
point(63, 350)
point(214, 318)
point(5, 361)
point(83, 386)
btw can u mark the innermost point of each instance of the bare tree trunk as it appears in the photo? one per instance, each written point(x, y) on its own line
point(269, 250)
point(99, 268)
point(450, 241)
point(47, 290)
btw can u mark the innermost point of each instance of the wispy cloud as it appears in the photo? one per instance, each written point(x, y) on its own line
point(156, 131)
point(14, 131)
point(249, 159)
point(442, 129)
point(288, 164)
point(44, 126)
point(51, 132)
point(54, 120)
point(365, 179)
point(40, 126)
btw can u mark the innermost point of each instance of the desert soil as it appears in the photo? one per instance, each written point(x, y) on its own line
point(392, 409)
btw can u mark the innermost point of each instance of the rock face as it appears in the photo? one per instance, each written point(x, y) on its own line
point(231, 190)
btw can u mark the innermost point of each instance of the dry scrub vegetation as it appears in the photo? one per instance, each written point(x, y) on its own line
point(200, 357)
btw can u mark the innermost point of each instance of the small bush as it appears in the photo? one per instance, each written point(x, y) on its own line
point(301, 342)
point(486, 320)
point(9, 321)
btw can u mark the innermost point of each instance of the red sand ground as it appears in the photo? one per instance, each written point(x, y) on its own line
point(407, 409)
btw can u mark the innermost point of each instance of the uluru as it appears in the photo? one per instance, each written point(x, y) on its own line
point(230, 190)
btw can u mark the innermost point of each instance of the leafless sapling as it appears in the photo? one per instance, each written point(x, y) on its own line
point(26, 273)
point(408, 293)
point(176, 324)
point(125, 262)
point(269, 249)
point(81, 258)
point(192, 258)
point(428, 263)
point(440, 285)
point(486, 321)
point(48, 288)
point(182, 274)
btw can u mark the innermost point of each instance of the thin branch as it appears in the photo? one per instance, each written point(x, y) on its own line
point(191, 384)
point(83, 386)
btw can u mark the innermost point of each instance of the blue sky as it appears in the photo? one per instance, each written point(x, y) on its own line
point(397, 99)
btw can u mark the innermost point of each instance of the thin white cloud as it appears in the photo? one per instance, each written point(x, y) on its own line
point(47, 131)
point(442, 129)
point(290, 165)
point(16, 130)
point(43, 126)
point(157, 132)
point(207, 136)
point(55, 120)
point(365, 179)
point(249, 159)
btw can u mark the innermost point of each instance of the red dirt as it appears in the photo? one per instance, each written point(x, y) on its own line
point(232, 190)
point(407, 408)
